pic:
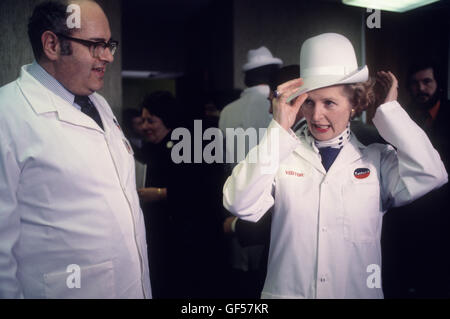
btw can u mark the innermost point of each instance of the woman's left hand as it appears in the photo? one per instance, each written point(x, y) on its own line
point(389, 85)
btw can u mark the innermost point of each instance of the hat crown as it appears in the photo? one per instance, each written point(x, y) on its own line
point(259, 54)
point(327, 54)
point(260, 57)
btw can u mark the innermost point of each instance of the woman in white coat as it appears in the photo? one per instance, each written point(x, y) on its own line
point(329, 191)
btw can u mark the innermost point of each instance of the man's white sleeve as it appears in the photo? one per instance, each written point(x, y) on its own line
point(9, 221)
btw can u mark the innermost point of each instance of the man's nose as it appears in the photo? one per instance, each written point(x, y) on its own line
point(107, 56)
point(422, 87)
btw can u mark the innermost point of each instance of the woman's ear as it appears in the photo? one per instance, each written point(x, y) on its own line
point(50, 45)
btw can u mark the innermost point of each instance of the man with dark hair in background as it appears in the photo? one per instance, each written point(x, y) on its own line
point(429, 108)
point(70, 221)
point(416, 237)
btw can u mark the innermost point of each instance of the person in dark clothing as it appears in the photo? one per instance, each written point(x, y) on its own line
point(183, 230)
point(417, 252)
point(132, 127)
point(429, 108)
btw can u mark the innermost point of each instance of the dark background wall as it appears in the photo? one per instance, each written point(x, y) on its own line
point(284, 26)
point(192, 39)
point(207, 41)
point(201, 45)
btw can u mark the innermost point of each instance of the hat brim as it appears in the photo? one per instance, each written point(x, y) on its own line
point(318, 82)
point(254, 65)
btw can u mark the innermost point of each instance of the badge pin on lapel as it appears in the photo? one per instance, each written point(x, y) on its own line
point(127, 146)
point(361, 173)
point(117, 124)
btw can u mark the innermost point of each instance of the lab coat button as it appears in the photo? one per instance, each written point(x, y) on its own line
point(323, 279)
point(324, 229)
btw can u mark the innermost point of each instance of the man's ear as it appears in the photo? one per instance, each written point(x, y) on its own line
point(50, 45)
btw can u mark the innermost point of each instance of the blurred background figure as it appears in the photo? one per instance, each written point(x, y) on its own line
point(133, 127)
point(429, 107)
point(416, 235)
point(250, 241)
point(215, 102)
point(181, 207)
point(251, 109)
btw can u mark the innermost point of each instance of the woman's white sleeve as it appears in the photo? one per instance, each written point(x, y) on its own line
point(412, 170)
point(247, 193)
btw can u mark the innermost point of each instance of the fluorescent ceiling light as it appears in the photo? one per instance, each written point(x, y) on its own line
point(389, 5)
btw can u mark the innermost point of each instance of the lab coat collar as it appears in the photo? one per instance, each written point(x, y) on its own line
point(42, 100)
point(352, 151)
point(308, 149)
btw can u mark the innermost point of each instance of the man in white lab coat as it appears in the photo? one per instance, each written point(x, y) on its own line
point(70, 221)
point(251, 110)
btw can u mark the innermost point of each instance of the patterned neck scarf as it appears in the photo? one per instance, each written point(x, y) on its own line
point(337, 142)
point(330, 149)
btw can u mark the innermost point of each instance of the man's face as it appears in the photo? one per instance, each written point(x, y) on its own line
point(423, 86)
point(80, 72)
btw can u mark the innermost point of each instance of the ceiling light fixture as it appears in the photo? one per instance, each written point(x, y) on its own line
point(389, 5)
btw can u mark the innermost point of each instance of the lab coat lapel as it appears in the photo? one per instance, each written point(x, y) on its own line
point(69, 114)
point(350, 153)
point(307, 152)
point(43, 101)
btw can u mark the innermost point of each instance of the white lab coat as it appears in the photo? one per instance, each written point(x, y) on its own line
point(251, 110)
point(67, 197)
point(326, 226)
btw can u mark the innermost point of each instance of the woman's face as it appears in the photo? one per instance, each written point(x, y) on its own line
point(327, 112)
point(153, 127)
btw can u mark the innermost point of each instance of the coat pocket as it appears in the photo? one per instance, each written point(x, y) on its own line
point(362, 216)
point(89, 282)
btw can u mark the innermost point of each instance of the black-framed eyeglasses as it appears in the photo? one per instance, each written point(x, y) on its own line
point(97, 48)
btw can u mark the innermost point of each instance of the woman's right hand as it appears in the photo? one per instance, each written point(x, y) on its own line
point(285, 113)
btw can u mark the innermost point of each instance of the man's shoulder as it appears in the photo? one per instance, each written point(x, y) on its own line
point(7, 89)
point(10, 97)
